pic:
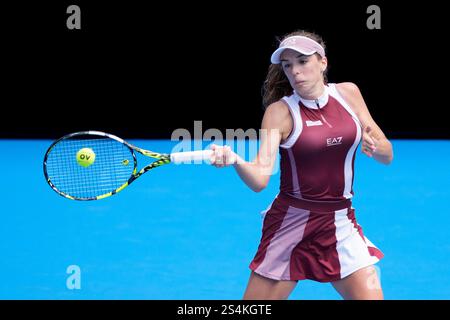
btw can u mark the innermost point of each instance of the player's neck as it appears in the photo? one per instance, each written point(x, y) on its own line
point(313, 94)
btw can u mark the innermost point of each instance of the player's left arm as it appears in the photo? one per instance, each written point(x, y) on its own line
point(374, 142)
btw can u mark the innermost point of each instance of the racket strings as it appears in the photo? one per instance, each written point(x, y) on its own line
point(113, 166)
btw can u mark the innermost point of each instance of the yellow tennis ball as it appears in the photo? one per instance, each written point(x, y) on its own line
point(85, 157)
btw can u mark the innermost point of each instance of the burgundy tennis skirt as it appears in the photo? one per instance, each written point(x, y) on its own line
point(312, 240)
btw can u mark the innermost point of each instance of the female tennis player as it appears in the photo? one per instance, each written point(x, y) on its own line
point(310, 230)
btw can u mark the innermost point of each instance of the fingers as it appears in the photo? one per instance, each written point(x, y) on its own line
point(369, 145)
point(369, 142)
point(367, 136)
point(369, 148)
point(367, 151)
point(226, 154)
point(217, 155)
point(222, 156)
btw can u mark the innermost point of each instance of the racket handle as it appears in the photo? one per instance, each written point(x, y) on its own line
point(183, 157)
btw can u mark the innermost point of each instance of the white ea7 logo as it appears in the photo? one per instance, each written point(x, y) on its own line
point(334, 141)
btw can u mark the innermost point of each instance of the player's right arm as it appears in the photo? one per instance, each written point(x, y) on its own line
point(276, 125)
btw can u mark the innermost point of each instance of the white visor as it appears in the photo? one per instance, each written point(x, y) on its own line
point(304, 45)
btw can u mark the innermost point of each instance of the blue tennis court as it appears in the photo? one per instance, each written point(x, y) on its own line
point(190, 231)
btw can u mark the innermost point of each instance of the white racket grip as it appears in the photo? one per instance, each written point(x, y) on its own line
point(187, 157)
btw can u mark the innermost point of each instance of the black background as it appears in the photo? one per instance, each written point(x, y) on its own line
point(167, 309)
point(142, 69)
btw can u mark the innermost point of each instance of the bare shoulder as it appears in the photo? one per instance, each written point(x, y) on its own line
point(278, 116)
point(348, 89)
point(351, 93)
point(278, 107)
point(276, 113)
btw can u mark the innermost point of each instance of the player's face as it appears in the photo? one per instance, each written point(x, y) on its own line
point(303, 72)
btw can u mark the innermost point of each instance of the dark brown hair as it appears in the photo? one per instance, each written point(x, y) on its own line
point(276, 85)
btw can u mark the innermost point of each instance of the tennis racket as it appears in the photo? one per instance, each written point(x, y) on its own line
point(93, 165)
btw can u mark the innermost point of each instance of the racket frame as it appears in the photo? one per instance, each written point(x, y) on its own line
point(162, 159)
